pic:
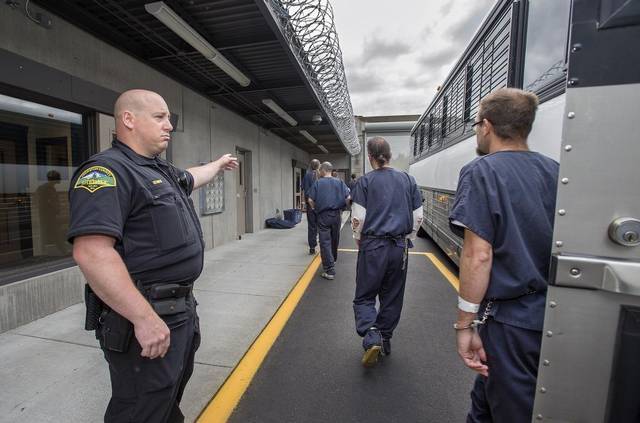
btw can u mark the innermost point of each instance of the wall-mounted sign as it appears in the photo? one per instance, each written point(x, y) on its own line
point(212, 196)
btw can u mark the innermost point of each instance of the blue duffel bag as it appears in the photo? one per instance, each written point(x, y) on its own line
point(293, 215)
point(276, 223)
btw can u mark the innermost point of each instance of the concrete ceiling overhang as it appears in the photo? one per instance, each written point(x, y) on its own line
point(242, 31)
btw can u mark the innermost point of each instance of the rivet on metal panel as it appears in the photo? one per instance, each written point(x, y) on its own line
point(552, 304)
point(562, 212)
point(539, 417)
point(568, 147)
point(573, 82)
point(571, 115)
point(559, 243)
point(576, 48)
point(549, 333)
point(565, 181)
point(575, 272)
point(546, 363)
point(543, 390)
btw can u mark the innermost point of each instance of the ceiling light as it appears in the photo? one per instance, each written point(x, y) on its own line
point(321, 147)
point(167, 16)
point(278, 110)
point(309, 137)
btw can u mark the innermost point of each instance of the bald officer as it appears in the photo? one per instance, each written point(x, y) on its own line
point(138, 242)
point(328, 196)
point(386, 211)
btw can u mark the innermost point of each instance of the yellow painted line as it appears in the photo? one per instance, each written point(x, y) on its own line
point(453, 280)
point(226, 399)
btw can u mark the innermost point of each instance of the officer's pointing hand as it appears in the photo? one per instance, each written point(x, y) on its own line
point(153, 335)
point(471, 351)
point(228, 162)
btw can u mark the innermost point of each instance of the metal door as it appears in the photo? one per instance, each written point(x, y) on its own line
point(590, 359)
point(241, 194)
point(297, 188)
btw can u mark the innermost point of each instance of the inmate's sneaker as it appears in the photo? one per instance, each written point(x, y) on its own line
point(312, 251)
point(329, 276)
point(386, 346)
point(372, 344)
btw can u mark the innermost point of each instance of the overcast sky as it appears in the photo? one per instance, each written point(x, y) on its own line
point(396, 53)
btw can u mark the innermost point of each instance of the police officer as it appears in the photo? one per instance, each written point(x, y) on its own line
point(309, 179)
point(328, 196)
point(386, 211)
point(138, 242)
point(504, 208)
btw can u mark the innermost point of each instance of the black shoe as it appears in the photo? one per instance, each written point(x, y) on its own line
point(386, 346)
point(312, 251)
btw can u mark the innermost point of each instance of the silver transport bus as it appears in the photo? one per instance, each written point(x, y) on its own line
point(582, 58)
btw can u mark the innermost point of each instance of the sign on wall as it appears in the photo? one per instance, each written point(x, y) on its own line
point(212, 196)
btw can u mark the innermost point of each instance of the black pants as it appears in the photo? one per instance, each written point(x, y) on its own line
point(145, 390)
point(329, 232)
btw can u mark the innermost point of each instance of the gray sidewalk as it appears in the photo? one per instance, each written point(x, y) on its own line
point(53, 371)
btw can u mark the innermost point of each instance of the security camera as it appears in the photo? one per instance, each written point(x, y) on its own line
point(316, 119)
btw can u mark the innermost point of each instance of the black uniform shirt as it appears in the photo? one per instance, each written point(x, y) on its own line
point(144, 204)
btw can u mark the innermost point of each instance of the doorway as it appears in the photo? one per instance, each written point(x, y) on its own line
point(244, 198)
point(297, 188)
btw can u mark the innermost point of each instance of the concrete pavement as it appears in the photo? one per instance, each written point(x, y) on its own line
point(53, 371)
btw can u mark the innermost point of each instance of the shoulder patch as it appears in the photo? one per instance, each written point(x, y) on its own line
point(94, 178)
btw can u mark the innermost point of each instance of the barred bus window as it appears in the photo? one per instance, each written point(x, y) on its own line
point(40, 147)
point(545, 54)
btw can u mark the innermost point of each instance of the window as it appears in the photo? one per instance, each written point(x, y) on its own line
point(40, 147)
point(545, 54)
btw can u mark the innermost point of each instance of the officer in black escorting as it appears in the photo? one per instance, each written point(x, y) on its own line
point(504, 208)
point(137, 239)
point(309, 179)
point(328, 196)
point(386, 213)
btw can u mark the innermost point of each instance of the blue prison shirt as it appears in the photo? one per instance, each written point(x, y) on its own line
point(328, 194)
point(390, 197)
point(308, 181)
point(508, 198)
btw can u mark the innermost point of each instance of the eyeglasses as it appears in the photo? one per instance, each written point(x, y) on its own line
point(476, 123)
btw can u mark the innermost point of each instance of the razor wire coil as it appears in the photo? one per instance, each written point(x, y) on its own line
point(308, 26)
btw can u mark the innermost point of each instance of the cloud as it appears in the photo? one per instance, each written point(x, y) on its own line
point(438, 58)
point(377, 48)
point(362, 80)
point(461, 31)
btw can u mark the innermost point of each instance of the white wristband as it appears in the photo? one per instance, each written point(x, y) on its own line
point(465, 305)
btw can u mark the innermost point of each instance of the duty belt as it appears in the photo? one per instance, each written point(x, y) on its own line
point(167, 298)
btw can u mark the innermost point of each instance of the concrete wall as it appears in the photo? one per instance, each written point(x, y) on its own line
point(205, 131)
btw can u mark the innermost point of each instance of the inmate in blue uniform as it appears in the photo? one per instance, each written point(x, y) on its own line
point(389, 197)
point(508, 199)
point(309, 179)
point(329, 196)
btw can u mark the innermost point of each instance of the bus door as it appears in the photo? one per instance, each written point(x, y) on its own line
point(590, 359)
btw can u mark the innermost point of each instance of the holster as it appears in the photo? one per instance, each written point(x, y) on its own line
point(94, 306)
point(115, 331)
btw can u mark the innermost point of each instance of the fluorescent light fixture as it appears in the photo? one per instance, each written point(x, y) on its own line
point(321, 147)
point(278, 110)
point(309, 136)
point(24, 107)
point(167, 16)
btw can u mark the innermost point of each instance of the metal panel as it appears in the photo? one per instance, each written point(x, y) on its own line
point(599, 170)
point(577, 354)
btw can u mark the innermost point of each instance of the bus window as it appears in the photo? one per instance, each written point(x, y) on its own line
point(545, 55)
